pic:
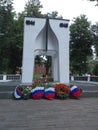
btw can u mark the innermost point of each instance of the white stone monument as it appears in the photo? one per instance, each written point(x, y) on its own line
point(43, 36)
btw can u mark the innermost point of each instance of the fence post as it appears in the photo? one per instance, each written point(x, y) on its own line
point(72, 78)
point(4, 77)
point(88, 78)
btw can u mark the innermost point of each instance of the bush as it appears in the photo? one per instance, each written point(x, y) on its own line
point(95, 70)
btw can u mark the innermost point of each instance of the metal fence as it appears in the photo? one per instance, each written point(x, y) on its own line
point(13, 77)
point(9, 77)
point(84, 78)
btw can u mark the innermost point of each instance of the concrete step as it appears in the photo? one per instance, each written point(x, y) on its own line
point(89, 89)
point(85, 94)
point(7, 89)
point(90, 94)
point(6, 95)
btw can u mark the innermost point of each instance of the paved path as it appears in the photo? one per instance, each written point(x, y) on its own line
point(69, 114)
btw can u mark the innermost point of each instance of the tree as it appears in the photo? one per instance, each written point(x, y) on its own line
point(54, 14)
point(81, 40)
point(95, 70)
point(11, 33)
point(16, 47)
point(6, 28)
point(94, 29)
point(93, 0)
point(48, 63)
point(32, 8)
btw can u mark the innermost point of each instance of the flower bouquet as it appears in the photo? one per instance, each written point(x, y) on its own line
point(18, 92)
point(22, 92)
point(62, 91)
point(49, 92)
point(75, 92)
point(38, 90)
point(27, 92)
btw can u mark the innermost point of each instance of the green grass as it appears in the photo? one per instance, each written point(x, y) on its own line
point(37, 75)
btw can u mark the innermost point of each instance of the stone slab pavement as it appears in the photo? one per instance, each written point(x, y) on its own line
point(69, 114)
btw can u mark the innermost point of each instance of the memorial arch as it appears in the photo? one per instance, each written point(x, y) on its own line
point(49, 37)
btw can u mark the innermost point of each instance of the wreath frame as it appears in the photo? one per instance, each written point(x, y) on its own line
point(62, 91)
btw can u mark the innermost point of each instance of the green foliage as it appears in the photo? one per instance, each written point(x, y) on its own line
point(6, 28)
point(95, 70)
point(11, 34)
point(81, 40)
point(48, 63)
point(54, 14)
point(93, 0)
point(32, 9)
point(94, 29)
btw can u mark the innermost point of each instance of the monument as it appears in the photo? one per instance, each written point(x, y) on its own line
point(48, 37)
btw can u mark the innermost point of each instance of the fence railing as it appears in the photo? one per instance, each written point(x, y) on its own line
point(84, 78)
point(9, 77)
point(13, 77)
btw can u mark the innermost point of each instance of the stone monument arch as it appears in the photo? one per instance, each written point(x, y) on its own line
point(43, 36)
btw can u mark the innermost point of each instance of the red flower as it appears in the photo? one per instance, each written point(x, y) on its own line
point(62, 90)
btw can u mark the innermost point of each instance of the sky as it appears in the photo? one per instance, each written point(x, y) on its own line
point(69, 9)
